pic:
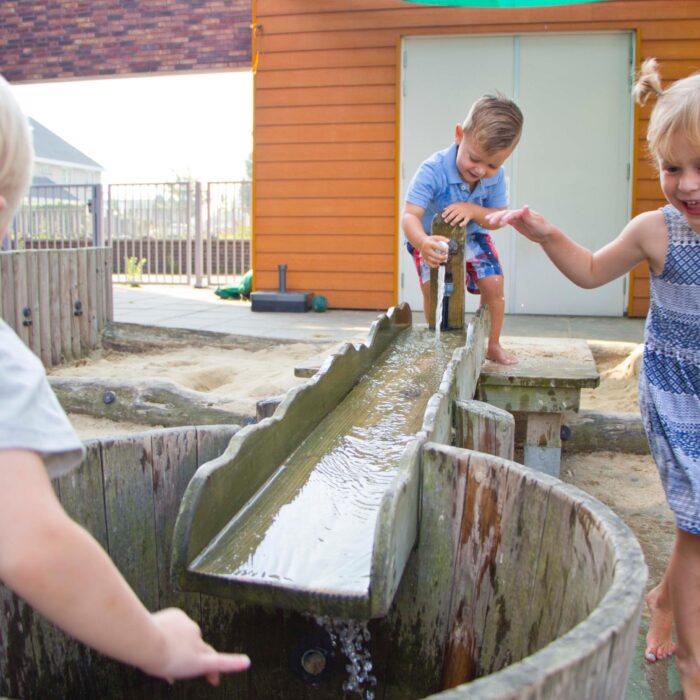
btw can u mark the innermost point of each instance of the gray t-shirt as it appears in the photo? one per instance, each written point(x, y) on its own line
point(30, 416)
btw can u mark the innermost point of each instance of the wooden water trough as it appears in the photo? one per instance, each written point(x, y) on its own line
point(515, 585)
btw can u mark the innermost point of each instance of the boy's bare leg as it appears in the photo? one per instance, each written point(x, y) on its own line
point(491, 289)
point(684, 585)
point(660, 644)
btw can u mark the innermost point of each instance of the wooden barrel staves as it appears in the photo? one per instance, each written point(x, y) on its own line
point(518, 582)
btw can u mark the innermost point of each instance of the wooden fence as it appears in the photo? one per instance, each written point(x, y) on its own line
point(57, 301)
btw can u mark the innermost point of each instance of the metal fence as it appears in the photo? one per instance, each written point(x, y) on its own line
point(167, 232)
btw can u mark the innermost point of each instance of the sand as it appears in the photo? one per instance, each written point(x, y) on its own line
point(232, 378)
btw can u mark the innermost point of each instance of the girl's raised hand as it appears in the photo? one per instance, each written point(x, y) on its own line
point(531, 224)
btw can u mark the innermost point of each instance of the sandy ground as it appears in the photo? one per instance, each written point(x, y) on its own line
point(233, 378)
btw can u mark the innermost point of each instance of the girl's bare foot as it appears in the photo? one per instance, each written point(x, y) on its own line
point(497, 354)
point(660, 644)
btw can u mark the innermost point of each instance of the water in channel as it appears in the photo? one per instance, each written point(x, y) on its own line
point(312, 525)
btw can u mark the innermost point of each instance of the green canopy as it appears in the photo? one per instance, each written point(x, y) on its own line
point(502, 3)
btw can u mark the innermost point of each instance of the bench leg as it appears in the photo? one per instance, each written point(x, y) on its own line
point(542, 449)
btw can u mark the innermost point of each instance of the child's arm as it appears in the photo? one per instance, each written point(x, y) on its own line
point(411, 223)
point(642, 239)
point(461, 213)
point(56, 566)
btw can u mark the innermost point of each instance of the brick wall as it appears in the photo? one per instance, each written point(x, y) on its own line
point(62, 39)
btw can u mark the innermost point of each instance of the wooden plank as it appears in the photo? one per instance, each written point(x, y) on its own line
point(338, 189)
point(91, 310)
point(552, 571)
point(19, 270)
point(82, 297)
point(81, 495)
point(380, 245)
point(100, 290)
point(484, 428)
point(339, 226)
point(109, 295)
point(511, 619)
point(324, 170)
point(330, 151)
point(66, 313)
point(128, 494)
point(326, 263)
point(417, 623)
point(33, 282)
point(673, 48)
point(326, 77)
point(326, 207)
point(472, 581)
point(347, 281)
point(405, 17)
point(7, 291)
point(330, 95)
point(212, 441)
point(174, 454)
point(44, 304)
point(54, 283)
point(17, 670)
point(328, 58)
point(542, 448)
point(328, 114)
point(75, 320)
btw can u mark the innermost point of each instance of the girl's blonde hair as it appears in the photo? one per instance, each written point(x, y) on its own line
point(677, 109)
point(16, 155)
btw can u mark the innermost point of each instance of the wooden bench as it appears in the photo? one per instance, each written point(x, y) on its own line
point(546, 382)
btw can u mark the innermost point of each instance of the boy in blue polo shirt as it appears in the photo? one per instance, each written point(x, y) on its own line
point(464, 183)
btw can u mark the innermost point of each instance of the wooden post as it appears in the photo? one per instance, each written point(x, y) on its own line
point(542, 449)
point(455, 269)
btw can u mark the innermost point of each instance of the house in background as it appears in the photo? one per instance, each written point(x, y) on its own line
point(351, 95)
point(56, 162)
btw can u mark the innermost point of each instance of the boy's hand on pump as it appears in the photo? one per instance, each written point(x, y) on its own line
point(457, 214)
point(531, 224)
point(433, 251)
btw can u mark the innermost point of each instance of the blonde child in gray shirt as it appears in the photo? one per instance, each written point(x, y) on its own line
point(45, 557)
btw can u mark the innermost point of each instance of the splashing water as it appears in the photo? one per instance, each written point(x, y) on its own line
point(440, 299)
point(352, 638)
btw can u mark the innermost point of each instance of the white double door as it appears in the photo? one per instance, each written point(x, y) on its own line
point(573, 163)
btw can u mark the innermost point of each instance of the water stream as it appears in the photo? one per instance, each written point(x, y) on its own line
point(440, 300)
point(312, 524)
point(352, 638)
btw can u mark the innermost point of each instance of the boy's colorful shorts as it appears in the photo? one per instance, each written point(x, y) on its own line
point(481, 261)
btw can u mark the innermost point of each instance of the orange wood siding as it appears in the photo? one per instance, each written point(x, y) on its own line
point(326, 150)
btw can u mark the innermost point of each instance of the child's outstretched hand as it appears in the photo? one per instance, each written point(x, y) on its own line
point(531, 224)
point(185, 654)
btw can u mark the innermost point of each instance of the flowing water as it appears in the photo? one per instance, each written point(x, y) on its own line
point(312, 524)
point(440, 301)
point(352, 638)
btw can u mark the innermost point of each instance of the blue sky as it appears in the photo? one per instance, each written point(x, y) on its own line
point(151, 129)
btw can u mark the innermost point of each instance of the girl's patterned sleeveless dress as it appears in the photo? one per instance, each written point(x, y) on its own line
point(669, 383)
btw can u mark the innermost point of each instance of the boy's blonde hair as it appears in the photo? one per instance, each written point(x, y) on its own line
point(16, 155)
point(677, 109)
point(494, 122)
